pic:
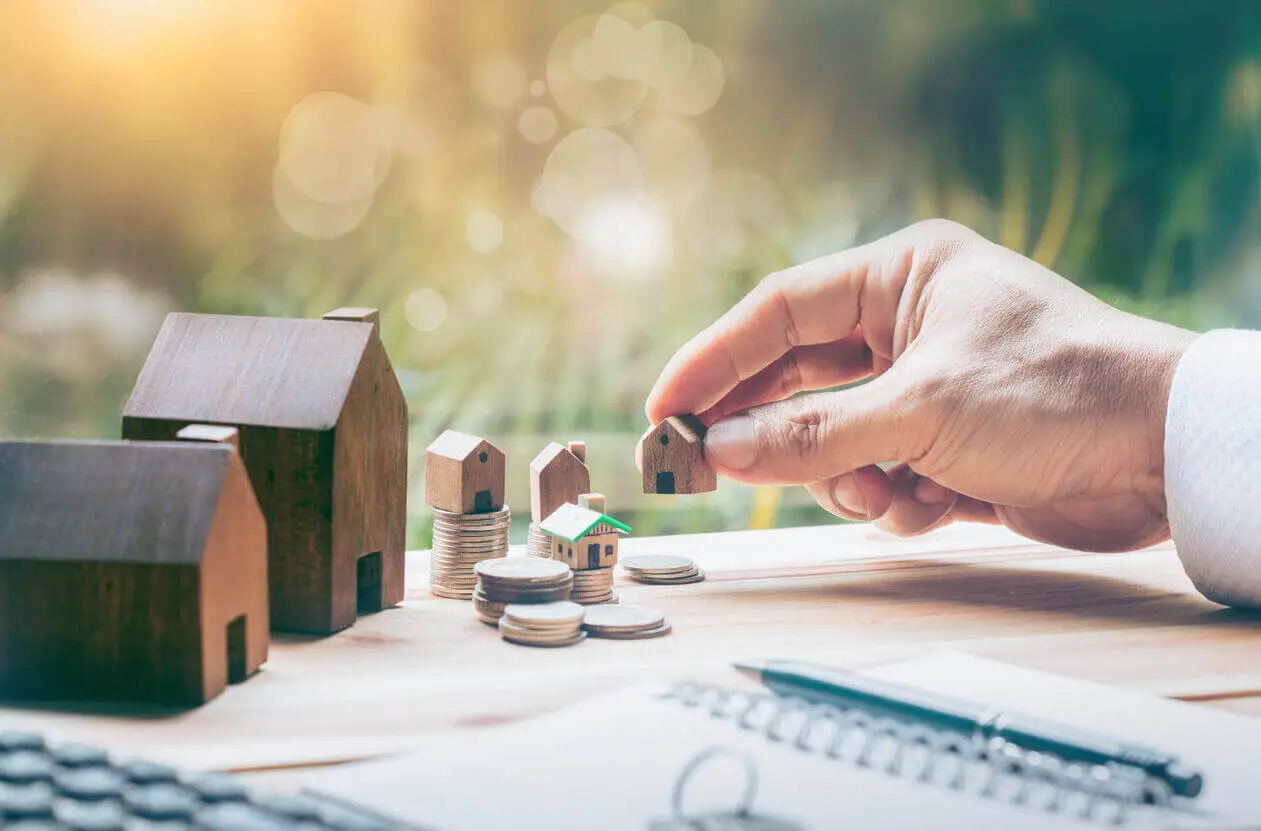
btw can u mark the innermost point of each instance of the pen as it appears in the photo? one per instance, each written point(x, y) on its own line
point(847, 689)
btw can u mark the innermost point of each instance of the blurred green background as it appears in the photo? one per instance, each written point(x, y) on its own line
point(545, 199)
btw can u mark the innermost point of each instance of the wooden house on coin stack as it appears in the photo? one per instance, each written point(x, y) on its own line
point(583, 536)
point(464, 474)
point(129, 571)
point(673, 457)
point(323, 431)
point(559, 474)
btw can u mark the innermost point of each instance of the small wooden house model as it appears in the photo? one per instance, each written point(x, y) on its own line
point(673, 457)
point(129, 571)
point(323, 431)
point(464, 474)
point(558, 475)
point(583, 536)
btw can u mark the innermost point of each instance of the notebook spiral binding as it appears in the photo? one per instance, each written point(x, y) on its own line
point(996, 769)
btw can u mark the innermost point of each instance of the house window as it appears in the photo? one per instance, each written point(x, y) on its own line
point(560, 548)
point(608, 551)
point(483, 456)
point(664, 439)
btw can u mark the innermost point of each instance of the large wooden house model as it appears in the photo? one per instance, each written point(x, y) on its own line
point(323, 433)
point(129, 571)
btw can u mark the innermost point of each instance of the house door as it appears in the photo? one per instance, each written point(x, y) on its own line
point(481, 502)
point(368, 580)
point(236, 650)
point(593, 555)
point(665, 482)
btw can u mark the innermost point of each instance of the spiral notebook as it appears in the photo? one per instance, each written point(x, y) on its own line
point(683, 756)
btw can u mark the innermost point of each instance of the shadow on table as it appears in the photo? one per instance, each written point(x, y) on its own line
point(985, 585)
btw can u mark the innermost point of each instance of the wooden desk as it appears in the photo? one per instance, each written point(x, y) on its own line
point(847, 595)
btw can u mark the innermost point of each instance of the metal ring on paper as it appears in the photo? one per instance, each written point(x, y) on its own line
point(743, 808)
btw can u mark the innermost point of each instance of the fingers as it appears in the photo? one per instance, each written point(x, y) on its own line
point(810, 438)
point(862, 494)
point(919, 505)
point(814, 303)
point(802, 369)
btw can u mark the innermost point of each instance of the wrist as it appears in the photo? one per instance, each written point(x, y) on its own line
point(1154, 349)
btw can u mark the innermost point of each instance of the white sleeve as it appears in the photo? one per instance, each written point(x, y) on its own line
point(1213, 465)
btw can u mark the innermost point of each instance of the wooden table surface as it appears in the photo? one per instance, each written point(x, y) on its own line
point(846, 595)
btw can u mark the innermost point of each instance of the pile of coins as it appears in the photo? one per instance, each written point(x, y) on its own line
point(593, 586)
point(460, 542)
point(538, 543)
point(625, 622)
point(543, 624)
point(518, 580)
point(662, 569)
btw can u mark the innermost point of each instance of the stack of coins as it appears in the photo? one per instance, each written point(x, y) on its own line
point(518, 580)
point(625, 622)
point(543, 624)
point(661, 569)
point(538, 543)
point(593, 586)
point(460, 542)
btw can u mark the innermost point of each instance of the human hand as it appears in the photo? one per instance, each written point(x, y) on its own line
point(1003, 392)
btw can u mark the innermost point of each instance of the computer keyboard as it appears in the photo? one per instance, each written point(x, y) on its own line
point(46, 786)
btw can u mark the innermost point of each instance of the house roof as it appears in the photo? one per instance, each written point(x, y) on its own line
point(550, 454)
point(572, 522)
point(109, 501)
point(456, 445)
point(262, 371)
point(687, 427)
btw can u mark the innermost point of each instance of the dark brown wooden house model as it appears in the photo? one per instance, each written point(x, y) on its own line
point(673, 457)
point(128, 571)
point(323, 432)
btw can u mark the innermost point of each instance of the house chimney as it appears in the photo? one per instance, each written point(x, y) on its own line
point(592, 502)
point(579, 449)
point(214, 433)
point(356, 314)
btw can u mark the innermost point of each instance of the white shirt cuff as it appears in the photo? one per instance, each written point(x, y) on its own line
point(1213, 465)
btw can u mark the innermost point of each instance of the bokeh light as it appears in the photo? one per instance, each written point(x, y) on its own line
point(485, 231)
point(425, 309)
point(537, 125)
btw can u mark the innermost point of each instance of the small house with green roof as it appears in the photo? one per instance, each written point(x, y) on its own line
point(583, 536)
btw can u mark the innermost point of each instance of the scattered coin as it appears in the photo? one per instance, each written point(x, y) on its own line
point(661, 569)
point(657, 562)
point(551, 636)
point(603, 619)
point(694, 577)
point(657, 632)
point(562, 614)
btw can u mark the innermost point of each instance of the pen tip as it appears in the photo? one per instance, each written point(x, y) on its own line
point(753, 669)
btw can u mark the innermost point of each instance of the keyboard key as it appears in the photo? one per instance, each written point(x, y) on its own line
point(238, 817)
point(25, 766)
point(147, 773)
point(34, 825)
point(216, 787)
point(161, 802)
point(78, 755)
point(26, 801)
point(89, 783)
point(90, 816)
point(13, 741)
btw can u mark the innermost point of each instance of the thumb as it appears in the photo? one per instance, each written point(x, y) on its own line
point(811, 437)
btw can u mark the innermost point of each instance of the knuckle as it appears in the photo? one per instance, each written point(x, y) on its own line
point(790, 378)
point(801, 430)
